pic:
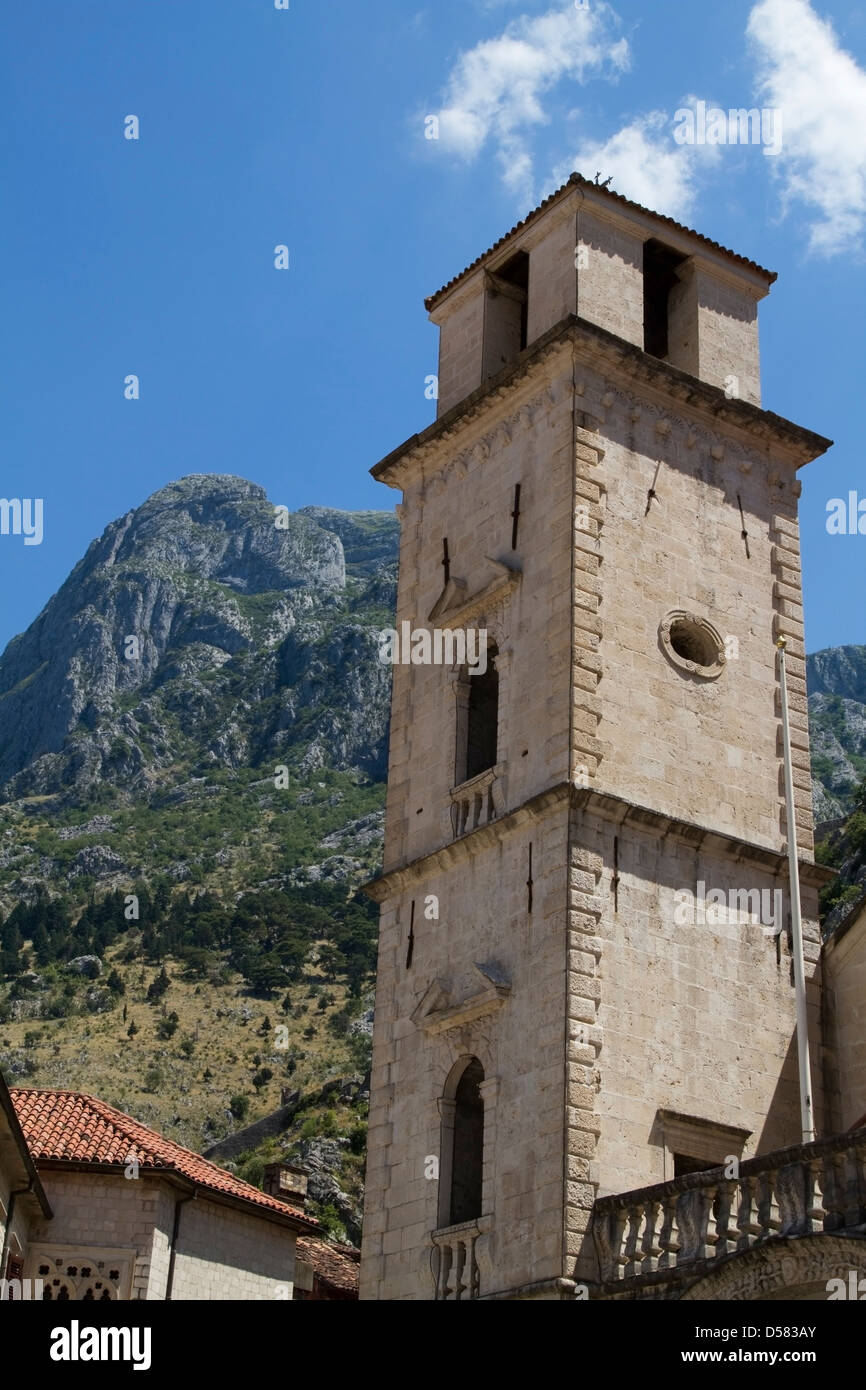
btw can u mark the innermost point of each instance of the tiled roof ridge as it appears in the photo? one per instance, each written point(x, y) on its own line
point(333, 1261)
point(577, 180)
point(42, 1109)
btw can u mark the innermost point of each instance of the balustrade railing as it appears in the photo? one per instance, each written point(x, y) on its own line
point(455, 1267)
point(472, 803)
point(702, 1217)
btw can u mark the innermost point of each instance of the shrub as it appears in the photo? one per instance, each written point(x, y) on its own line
point(358, 1138)
point(338, 1023)
point(239, 1105)
point(158, 987)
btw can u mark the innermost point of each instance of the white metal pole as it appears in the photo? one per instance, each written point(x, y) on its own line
point(807, 1114)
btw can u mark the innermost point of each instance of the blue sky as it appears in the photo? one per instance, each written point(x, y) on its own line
point(306, 127)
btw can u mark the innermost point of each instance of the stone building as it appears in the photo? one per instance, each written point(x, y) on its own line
point(98, 1207)
point(584, 1068)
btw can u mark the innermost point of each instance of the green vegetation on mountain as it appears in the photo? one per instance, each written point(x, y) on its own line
point(193, 745)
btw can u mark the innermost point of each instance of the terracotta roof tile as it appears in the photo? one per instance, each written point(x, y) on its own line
point(68, 1126)
point(334, 1264)
point(578, 181)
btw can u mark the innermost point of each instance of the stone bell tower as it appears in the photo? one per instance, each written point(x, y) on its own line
point(585, 978)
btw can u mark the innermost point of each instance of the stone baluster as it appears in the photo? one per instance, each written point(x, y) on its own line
point(443, 1281)
point(650, 1245)
point(816, 1211)
point(602, 1227)
point(834, 1191)
point(710, 1197)
point(474, 1282)
point(618, 1221)
point(748, 1223)
point(693, 1217)
point(459, 1268)
point(770, 1216)
point(631, 1258)
point(669, 1235)
point(791, 1197)
point(724, 1209)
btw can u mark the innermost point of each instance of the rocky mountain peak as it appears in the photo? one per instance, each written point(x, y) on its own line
point(206, 574)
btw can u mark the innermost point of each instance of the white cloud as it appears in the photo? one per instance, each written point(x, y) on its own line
point(496, 89)
point(821, 93)
point(645, 165)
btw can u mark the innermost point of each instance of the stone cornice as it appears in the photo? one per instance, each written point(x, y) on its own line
point(396, 880)
point(605, 806)
point(605, 351)
point(620, 812)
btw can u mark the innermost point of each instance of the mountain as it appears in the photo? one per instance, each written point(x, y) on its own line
point(196, 724)
point(836, 682)
point(207, 629)
point(205, 641)
point(193, 749)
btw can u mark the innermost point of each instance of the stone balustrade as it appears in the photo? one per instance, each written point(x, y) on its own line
point(455, 1264)
point(698, 1219)
point(472, 803)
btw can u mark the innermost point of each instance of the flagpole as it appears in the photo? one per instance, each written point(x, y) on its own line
point(807, 1113)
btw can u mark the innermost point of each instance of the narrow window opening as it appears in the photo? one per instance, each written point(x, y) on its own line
point(468, 1153)
point(506, 314)
point(659, 277)
point(482, 720)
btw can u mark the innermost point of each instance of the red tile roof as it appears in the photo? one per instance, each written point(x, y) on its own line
point(67, 1126)
point(578, 181)
point(336, 1265)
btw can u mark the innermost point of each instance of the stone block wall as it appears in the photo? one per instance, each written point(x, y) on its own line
point(702, 750)
point(221, 1253)
point(678, 1007)
point(465, 493)
point(481, 887)
point(845, 1021)
point(224, 1254)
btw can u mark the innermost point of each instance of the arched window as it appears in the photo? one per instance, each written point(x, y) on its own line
point(478, 721)
point(467, 1152)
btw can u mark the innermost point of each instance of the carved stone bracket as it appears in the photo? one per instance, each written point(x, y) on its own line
point(458, 606)
point(437, 1011)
